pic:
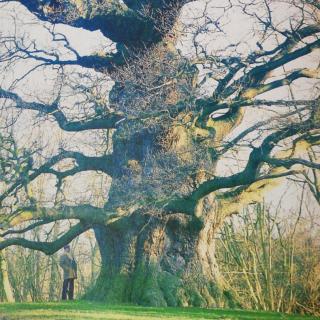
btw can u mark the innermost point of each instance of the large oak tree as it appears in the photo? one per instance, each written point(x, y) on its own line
point(168, 121)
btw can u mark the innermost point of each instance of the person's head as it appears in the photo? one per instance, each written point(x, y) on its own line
point(66, 248)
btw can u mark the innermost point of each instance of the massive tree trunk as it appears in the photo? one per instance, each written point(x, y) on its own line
point(155, 257)
point(159, 261)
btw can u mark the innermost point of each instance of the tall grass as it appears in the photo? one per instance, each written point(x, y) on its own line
point(271, 263)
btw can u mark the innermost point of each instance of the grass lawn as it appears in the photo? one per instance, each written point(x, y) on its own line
point(81, 310)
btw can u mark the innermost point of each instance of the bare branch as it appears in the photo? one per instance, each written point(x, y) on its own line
point(83, 163)
point(108, 121)
point(47, 247)
point(249, 174)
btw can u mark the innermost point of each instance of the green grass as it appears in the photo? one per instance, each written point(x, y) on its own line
point(81, 310)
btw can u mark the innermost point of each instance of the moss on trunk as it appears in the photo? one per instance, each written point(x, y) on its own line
point(159, 261)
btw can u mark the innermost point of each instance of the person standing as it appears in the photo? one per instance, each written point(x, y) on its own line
point(69, 267)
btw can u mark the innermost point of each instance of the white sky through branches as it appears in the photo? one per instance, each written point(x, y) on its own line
point(225, 30)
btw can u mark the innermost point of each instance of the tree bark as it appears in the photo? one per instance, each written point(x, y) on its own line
point(159, 261)
point(6, 293)
point(151, 257)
